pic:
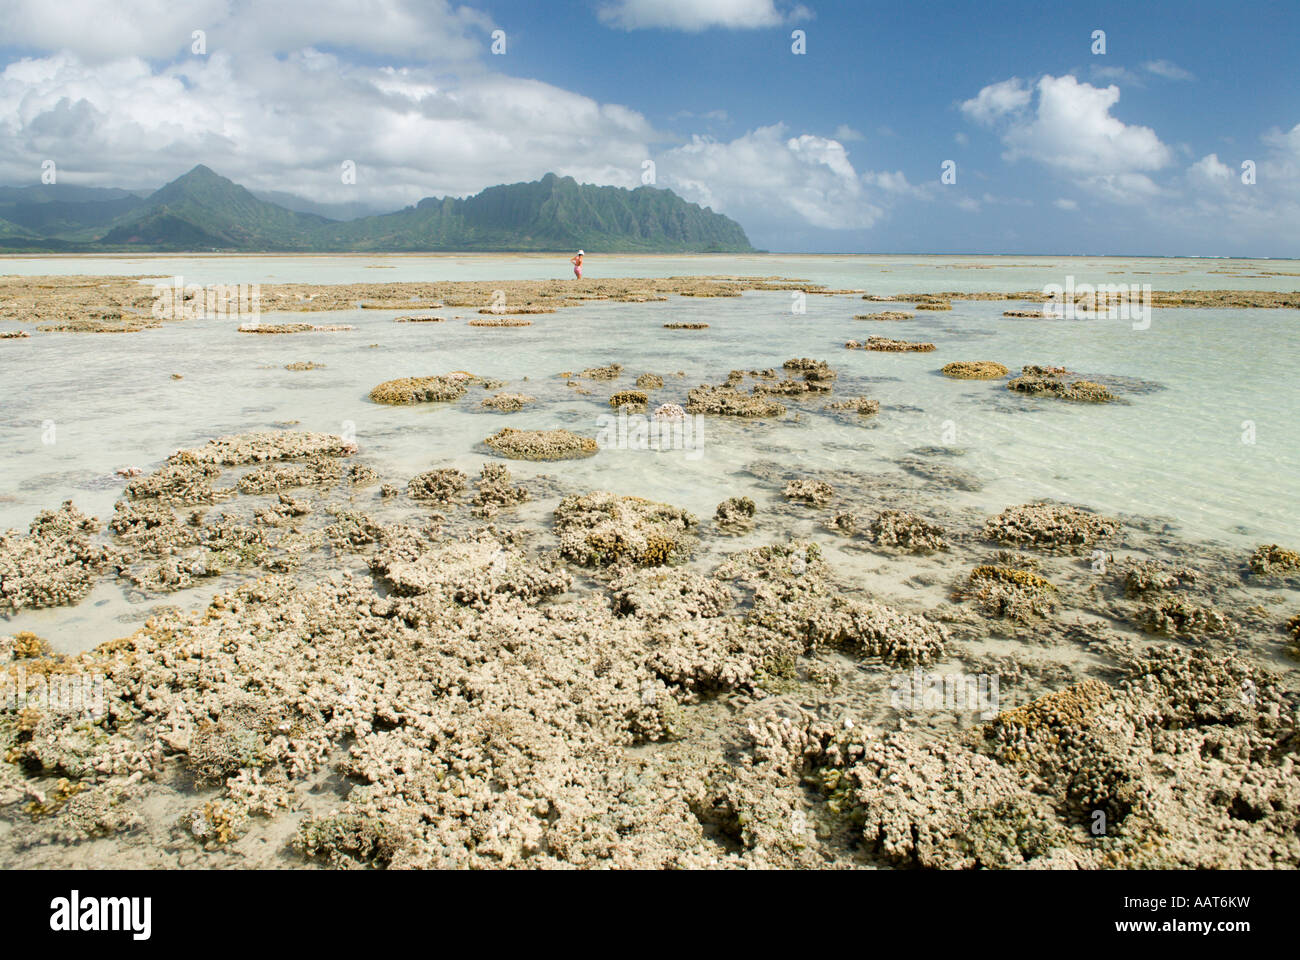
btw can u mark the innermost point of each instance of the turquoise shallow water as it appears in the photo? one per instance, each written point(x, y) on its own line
point(1197, 384)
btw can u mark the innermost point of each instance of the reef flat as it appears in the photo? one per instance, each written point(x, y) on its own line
point(476, 664)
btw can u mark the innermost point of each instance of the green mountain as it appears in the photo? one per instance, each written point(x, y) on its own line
point(204, 211)
point(554, 213)
point(63, 211)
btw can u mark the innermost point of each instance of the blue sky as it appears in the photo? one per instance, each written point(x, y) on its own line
point(1056, 149)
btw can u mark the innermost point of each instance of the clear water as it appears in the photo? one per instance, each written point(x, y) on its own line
point(1200, 381)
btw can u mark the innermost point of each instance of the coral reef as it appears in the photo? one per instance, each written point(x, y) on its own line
point(974, 370)
point(55, 564)
point(600, 528)
point(1177, 616)
point(243, 448)
point(504, 321)
point(1050, 526)
point(439, 486)
point(726, 401)
point(863, 406)
point(440, 389)
point(887, 345)
point(810, 491)
point(632, 400)
point(1272, 560)
point(508, 402)
point(1009, 592)
point(541, 444)
point(735, 512)
point(611, 372)
point(1051, 382)
point(493, 490)
point(906, 531)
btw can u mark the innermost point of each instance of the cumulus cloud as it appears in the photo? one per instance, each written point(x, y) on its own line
point(422, 30)
point(1068, 126)
point(271, 123)
point(997, 100)
point(766, 176)
point(694, 16)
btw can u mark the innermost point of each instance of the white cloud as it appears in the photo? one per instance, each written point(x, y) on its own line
point(997, 100)
point(422, 30)
point(846, 134)
point(1210, 172)
point(271, 124)
point(767, 176)
point(693, 16)
point(1170, 71)
point(1064, 203)
point(1070, 128)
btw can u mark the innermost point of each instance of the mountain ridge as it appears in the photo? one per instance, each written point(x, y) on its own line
point(204, 211)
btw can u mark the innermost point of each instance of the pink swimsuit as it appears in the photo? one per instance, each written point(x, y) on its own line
point(577, 270)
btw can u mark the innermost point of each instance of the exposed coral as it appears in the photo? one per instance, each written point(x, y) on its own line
point(440, 486)
point(611, 372)
point(179, 482)
point(436, 389)
point(729, 402)
point(508, 402)
point(1052, 382)
point(807, 490)
point(600, 528)
point(1147, 576)
point(1050, 526)
point(493, 490)
point(974, 370)
point(265, 447)
point(633, 400)
point(1008, 592)
point(541, 444)
point(1177, 616)
point(504, 321)
point(649, 381)
point(863, 406)
point(1274, 561)
point(55, 564)
point(735, 511)
point(907, 531)
point(888, 345)
point(313, 471)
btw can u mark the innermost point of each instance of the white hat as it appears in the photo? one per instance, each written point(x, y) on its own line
point(582, 253)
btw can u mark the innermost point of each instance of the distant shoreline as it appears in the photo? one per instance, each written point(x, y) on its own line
point(550, 255)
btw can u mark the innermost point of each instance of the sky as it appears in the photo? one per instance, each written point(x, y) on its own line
point(918, 127)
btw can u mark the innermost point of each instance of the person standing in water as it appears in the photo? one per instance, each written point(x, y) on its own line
point(577, 264)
